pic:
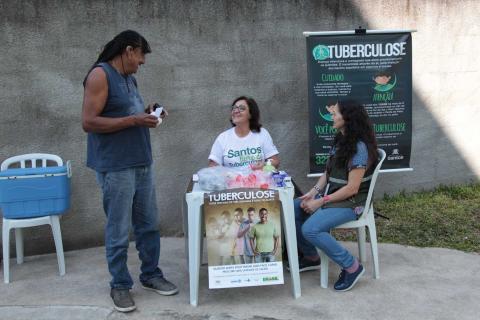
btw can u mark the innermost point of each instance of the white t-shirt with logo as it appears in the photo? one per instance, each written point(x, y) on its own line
point(229, 150)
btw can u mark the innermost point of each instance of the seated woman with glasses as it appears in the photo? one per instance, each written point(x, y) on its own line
point(246, 143)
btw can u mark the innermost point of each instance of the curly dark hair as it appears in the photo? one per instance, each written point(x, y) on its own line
point(254, 121)
point(357, 127)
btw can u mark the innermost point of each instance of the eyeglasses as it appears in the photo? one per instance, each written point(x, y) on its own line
point(239, 108)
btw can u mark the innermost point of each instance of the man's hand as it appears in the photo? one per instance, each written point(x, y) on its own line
point(151, 107)
point(164, 114)
point(145, 120)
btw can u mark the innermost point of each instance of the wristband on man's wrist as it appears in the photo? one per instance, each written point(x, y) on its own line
point(316, 187)
point(326, 199)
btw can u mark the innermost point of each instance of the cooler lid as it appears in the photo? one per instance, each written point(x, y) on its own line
point(33, 171)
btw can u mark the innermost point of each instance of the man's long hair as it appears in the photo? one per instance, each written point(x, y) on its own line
point(120, 42)
point(117, 46)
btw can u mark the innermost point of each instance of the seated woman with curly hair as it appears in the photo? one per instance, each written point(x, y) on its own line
point(340, 193)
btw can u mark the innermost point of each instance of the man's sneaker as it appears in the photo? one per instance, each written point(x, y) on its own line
point(122, 300)
point(307, 265)
point(161, 286)
point(346, 280)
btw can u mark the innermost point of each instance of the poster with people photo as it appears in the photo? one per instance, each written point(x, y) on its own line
point(243, 229)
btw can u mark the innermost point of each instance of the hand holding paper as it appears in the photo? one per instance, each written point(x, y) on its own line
point(158, 112)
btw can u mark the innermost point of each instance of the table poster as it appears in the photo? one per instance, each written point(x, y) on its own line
point(243, 229)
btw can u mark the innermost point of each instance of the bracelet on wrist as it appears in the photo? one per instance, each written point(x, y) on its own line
point(326, 199)
point(317, 188)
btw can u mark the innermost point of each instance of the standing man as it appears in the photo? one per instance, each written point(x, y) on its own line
point(238, 245)
point(119, 150)
point(243, 232)
point(264, 238)
point(227, 239)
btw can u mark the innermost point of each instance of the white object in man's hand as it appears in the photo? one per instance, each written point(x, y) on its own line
point(157, 113)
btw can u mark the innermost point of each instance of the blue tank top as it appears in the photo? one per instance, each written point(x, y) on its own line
point(125, 148)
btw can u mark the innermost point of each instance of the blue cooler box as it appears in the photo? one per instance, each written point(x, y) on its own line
point(35, 192)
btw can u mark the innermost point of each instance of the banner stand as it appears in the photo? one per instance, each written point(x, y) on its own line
point(360, 30)
point(373, 67)
point(350, 32)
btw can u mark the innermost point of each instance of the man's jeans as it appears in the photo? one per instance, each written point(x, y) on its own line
point(249, 259)
point(129, 198)
point(314, 231)
point(264, 257)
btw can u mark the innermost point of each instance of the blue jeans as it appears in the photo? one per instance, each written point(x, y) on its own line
point(264, 257)
point(129, 198)
point(314, 231)
point(249, 259)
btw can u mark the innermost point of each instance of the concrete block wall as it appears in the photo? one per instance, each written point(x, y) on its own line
point(205, 53)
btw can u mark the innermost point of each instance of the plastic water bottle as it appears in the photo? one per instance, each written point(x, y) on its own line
point(268, 167)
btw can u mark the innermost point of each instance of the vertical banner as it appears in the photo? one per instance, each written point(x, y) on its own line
point(376, 71)
point(243, 228)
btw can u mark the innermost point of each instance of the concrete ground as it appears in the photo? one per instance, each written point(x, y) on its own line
point(415, 283)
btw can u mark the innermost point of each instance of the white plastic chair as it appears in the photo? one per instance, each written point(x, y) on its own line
point(367, 219)
point(18, 224)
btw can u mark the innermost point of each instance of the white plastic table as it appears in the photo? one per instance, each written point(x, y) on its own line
point(193, 219)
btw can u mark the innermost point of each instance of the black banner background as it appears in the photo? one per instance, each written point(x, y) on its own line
point(383, 84)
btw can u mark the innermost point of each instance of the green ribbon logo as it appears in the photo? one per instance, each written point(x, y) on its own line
point(326, 116)
point(321, 52)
